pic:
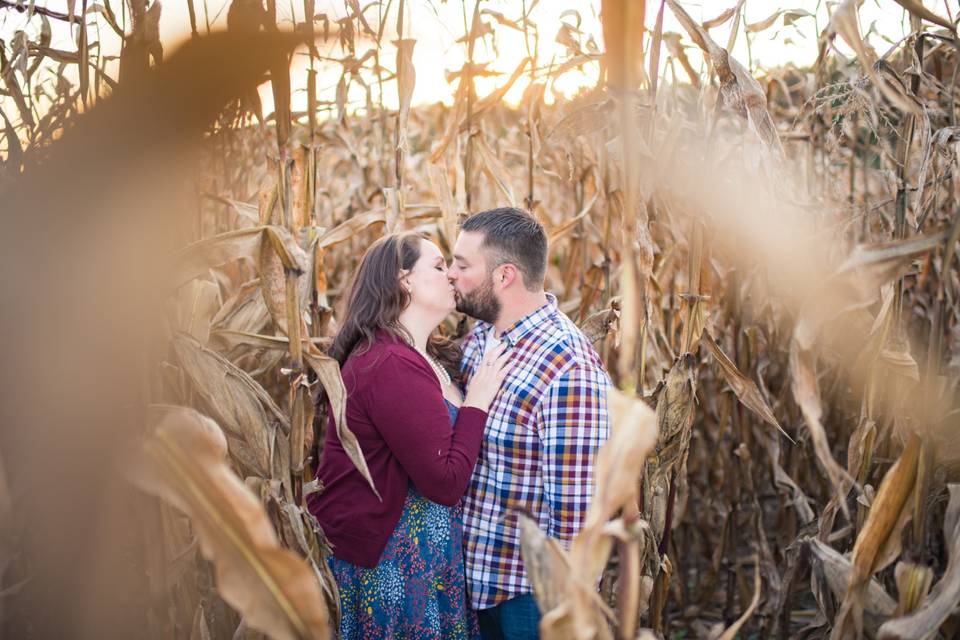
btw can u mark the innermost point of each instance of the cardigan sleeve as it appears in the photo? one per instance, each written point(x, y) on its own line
point(407, 408)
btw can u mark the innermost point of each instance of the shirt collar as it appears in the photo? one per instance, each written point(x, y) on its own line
point(520, 328)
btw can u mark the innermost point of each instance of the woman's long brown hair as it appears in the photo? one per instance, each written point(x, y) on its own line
point(376, 300)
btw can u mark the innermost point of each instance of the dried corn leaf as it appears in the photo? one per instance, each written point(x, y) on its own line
point(675, 413)
point(495, 170)
point(845, 22)
point(619, 465)
point(766, 23)
point(328, 373)
point(350, 227)
point(583, 120)
point(916, 8)
point(301, 422)
point(913, 585)
point(746, 389)
point(194, 260)
point(199, 301)
point(565, 228)
point(723, 17)
point(487, 102)
point(945, 595)
point(892, 499)
point(738, 88)
point(244, 311)
point(184, 462)
point(837, 568)
point(236, 401)
point(545, 562)
point(806, 393)
point(448, 207)
point(232, 339)
point(597, 326)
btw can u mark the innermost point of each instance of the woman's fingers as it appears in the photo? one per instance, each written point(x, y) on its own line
point(494, 354)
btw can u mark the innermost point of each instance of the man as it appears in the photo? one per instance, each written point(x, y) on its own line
point(546, 425)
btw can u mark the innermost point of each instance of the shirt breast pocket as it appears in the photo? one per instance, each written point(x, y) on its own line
point(514, 406)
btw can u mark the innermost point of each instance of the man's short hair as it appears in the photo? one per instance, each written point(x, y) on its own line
point(514, 236)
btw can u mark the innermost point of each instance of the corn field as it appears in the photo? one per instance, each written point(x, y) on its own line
point(764, 259)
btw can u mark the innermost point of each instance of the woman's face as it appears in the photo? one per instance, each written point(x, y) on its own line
point(430, 289)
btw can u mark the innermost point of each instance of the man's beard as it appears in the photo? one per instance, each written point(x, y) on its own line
point(481, 303)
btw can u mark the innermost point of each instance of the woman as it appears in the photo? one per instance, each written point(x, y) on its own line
point(397, 556)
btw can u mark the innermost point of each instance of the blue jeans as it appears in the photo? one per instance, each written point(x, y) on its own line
point(516, 619)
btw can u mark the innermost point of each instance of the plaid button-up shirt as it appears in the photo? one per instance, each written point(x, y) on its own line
point(542, 434)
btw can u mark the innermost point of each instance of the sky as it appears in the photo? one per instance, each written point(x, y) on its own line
point(437, 25)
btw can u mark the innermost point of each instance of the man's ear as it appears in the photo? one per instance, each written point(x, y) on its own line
point(505, 275)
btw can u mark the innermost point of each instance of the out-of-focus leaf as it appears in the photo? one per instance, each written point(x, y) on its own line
point(406, 80)
point(501, 19)
point(545, 562)
point(14, 149)
point(619, 465)
point(184, 462)
point(453, 122)
point(623, 39)
point(789, 17)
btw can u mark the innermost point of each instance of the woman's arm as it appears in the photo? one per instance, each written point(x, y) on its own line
point(406, 406)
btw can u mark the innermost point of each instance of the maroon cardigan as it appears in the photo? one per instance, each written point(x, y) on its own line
point(396, 410)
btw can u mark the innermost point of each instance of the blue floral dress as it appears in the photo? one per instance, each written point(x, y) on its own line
point(417, 590)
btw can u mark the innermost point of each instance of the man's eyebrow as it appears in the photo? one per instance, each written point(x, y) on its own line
point(459, 257)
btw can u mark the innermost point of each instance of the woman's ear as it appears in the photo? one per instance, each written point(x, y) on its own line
point(404, 280)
